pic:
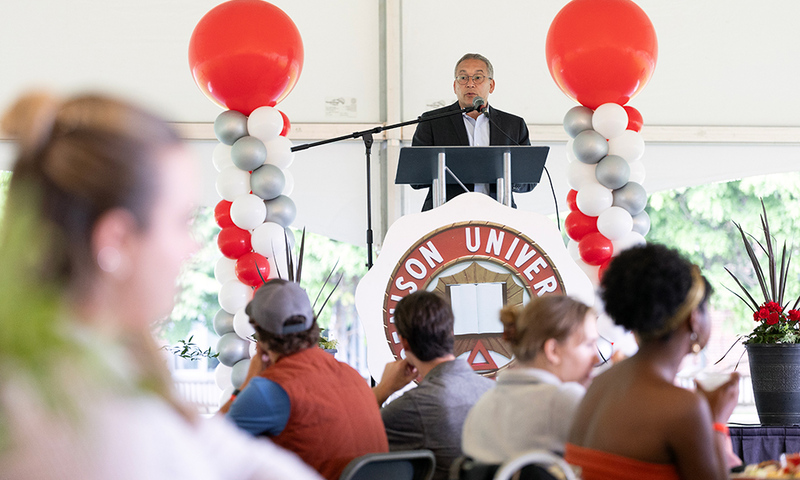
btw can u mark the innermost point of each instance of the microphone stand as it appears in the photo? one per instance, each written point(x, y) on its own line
point(366, 136)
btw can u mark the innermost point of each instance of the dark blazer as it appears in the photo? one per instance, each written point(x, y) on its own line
point(450, 131)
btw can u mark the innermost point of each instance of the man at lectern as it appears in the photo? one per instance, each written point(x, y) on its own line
point(484, 126)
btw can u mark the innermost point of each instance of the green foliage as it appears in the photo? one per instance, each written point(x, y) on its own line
point(5, 180)
point(698, 222)
point(189, 350)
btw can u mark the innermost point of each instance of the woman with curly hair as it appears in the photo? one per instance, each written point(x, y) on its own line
point(94, 233)
point(634, 422)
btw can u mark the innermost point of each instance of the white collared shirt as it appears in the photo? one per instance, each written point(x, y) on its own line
point(478, 134)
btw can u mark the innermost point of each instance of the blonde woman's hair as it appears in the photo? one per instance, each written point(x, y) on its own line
point(552, 316)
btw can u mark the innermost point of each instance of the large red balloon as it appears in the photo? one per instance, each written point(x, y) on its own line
point(635, 120)
point(601, 51)
point(222, 214)
point(246, 54)
point(572, 200)
point(234, 242)
point(595, 249)
point(252, 269)
point(578, 225)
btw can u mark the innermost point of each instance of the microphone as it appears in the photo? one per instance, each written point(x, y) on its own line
point(479, 104)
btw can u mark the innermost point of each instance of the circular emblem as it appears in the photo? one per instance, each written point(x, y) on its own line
point(480, 267)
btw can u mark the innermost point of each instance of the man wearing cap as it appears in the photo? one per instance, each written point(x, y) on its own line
point(297, 394)
point(430, 416)
point(474, 77)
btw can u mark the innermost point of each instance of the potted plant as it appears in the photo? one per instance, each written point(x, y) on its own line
point(773, 346)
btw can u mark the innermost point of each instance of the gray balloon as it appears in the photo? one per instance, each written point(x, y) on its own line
point(589, 147)
point(632, 197)
point(223, 322)
point(248, 153)
point(232, 348)
point(230, 126)
point(267, 181)
point(613, 172)
point(290, 236)
point(281, 210)
point(641, 223)
point(577, 120)
point(239, 373)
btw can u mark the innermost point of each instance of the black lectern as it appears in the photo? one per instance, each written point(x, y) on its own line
point(504, 164)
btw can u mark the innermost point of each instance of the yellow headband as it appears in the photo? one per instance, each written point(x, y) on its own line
point(693, 298)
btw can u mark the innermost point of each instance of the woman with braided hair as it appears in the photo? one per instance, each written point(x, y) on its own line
point(634, 422)
point(94, 232)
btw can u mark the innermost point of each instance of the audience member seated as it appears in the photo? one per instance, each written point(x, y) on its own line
point(634, 422)
point(430, 416)
point(554, 341)
point(95, 229)
point(297, 394)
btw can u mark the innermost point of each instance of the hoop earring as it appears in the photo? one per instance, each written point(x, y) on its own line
point(695, 344)
point(109, 259)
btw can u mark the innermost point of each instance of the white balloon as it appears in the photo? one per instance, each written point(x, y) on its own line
point(591, 271)
point(593, 199)
point(610, 120)
point(570, 153)
point(628, 145)
point(226, 395)
point(241, 325)
point(234, 295)
point(239, 372)
point(288, 186)
point(248, 211)
point(279, 152)
point(572, 249)
point(614, 223)
point(269, 240)
point(232, 183)
point(221, 157)
point(222, 376)
point(579, 173)
point(225, 270)
point(278, 266)
point(637, 172)
point(265, 123)
point(631, 239)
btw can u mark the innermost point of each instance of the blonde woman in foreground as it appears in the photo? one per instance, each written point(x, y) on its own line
point(95, 228)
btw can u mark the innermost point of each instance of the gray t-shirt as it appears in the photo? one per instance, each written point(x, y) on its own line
point(432, 415)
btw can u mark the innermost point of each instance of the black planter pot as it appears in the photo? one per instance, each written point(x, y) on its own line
point(775, 372)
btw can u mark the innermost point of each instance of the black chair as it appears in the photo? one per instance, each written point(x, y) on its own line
point(531, 465)
point(407, 465)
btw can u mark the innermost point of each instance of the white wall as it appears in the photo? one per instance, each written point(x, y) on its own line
point(731, 64)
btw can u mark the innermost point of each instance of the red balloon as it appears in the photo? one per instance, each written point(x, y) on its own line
point(578, 225)
point(287, 125)
point(234, 242)
point(246, 54)
point(635, 120)
point(572, 200)
point(601, 51)
point(595, 249)
point(222, 214)
point(252, 269)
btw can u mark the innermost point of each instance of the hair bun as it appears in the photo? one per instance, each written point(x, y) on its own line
point(30, 120)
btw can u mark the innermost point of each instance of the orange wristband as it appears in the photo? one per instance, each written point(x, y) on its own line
point(721, 428)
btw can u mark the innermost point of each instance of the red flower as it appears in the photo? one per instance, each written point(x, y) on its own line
point(774, 317)
point(773, 307)
point(756, 318)
point(794, 315)
point(763, 313)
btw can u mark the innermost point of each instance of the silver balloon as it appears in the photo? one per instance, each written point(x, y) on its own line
point(232, 348)
point(589, 147)
point(577, 120)
point(248, 153)
point(641, 223)
point(613, 172)
point(632, 197)
point(267, 181)
point(230, 126)
point(290, 236)
point(239, 373)
point(223, 322)
point(281, 210)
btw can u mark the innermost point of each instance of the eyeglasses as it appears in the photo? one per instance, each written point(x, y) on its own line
point(476, 79)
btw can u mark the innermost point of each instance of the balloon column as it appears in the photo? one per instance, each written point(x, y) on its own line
point(602, 53)
point(246, 55)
